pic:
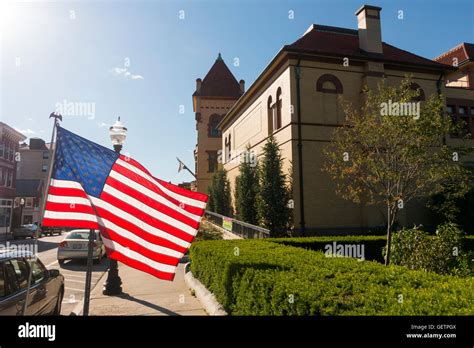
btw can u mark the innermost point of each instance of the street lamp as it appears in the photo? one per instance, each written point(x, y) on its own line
point(112, 286)
point(22, 203)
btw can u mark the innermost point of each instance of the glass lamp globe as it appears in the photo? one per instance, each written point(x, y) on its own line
point(118, 133)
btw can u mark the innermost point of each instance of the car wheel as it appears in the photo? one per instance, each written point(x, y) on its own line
point(57, 309)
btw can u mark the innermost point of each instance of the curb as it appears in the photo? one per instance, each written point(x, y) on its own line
point(80, 306)
point(207, 298)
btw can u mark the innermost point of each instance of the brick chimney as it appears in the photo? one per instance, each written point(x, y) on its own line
point(370, 35)
point(198, 85)
point(242, 86)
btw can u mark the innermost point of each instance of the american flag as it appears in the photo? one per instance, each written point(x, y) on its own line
point(144, 222)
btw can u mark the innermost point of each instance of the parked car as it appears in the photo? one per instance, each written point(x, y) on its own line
point(75, 246)
point(50, 231)
point(26, 231)
point(46, 289)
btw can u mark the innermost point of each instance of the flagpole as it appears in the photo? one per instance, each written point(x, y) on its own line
point(185, 167)
point(87, 290)
point(57, 117)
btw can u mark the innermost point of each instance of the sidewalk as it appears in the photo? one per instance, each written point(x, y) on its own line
point(144, 294)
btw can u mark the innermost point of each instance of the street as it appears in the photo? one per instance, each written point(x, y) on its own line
point(74, 271)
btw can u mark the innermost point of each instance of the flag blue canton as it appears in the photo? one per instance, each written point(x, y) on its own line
point(78, 159)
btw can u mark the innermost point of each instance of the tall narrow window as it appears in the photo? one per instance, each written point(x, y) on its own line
point(270, 115)
point(278, 109)
point(212, 161)
point(228, 148)
point(213, 130)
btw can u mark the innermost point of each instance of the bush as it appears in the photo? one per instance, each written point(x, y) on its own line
point(246, 189)
point(273, 195)
point(373, 245)
point(257, 277)
point(442, 253)
point(219, 194)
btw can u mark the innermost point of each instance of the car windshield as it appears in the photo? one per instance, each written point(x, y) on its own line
point(30, 226)
point(79, 235)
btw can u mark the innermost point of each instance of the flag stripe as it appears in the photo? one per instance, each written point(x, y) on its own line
point(70, 207)
point(70, 192)
point(149, 243)
point(140, 248)
point(114, 254)
point(70, 223)
point(142, 233)
point(140, 183)
point(69, 200)
point(114, 210)
point(133, 188)
point(131, 165)
point(60, 215)
point(140, 215)
point(136, 256)
point(170, 216)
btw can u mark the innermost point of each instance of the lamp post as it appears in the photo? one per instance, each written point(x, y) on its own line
point(112, 286)
point(22, 203)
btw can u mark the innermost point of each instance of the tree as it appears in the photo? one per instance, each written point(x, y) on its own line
point(219, 194)
point(246, 189)
point(383, 156)
point(272, 199)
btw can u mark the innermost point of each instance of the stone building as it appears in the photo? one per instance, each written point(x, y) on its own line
point(295, 99)
point(214, 96)
point(32, 173)
point(9, 145)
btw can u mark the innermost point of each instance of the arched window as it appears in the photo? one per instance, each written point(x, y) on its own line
point(328, 83)
point(278, 109)
point(416, 87)
point(213, 131)
point(270, 115)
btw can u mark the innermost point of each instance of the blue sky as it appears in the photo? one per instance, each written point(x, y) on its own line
point(77, 51)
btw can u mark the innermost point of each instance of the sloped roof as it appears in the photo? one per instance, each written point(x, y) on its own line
point(463, 52)
point(219, 82)
point(345, 42)
point(28, 187)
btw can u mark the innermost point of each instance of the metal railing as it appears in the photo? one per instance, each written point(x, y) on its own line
point(239, 228)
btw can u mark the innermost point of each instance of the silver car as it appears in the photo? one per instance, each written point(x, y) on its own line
point(74, 246)
point(25, 231)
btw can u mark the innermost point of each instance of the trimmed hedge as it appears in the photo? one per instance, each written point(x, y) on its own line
point(258, 277)
point(373, 245)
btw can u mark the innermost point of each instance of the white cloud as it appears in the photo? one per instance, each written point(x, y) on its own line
point(25, 131)
point(119, 71)
point(103, 124)
point(124, 73)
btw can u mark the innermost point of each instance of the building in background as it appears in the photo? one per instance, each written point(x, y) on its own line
point(460, 83)
point(32, 173)
point(297, 100)
point(213, 98)
point(9, 146)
